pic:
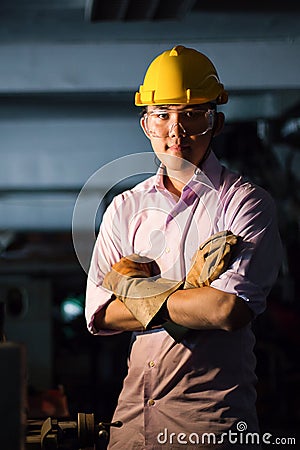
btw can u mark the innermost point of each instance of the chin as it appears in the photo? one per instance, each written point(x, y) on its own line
point(176, 163)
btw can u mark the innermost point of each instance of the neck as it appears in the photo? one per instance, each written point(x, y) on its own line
point(172, 187)
point(175, 181)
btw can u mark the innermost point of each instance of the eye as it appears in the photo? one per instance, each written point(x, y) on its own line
point(189, 114)
point(194, 114)
point(163, 115)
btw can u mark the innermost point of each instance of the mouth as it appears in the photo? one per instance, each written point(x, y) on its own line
point(178, 148)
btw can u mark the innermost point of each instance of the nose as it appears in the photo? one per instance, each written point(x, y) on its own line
point(176, 130)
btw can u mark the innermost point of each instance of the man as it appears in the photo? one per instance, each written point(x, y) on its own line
point(187, 259)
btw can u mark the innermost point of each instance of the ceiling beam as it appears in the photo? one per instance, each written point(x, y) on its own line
point(110, 67)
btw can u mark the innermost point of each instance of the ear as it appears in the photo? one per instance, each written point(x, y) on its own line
point(143, 125)
point(220, 119)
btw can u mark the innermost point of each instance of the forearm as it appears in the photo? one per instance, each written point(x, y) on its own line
point(115, 316)
point(208, 308)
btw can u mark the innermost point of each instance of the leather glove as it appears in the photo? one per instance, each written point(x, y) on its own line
point(134, 281)
point(211, 259)
point(209, 262)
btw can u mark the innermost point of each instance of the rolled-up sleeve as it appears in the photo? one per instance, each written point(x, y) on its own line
point(106, 252)
point(258, 255)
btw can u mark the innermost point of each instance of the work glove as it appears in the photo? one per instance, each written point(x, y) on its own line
point(211, 259)
point(208, 263)
point(134, 280)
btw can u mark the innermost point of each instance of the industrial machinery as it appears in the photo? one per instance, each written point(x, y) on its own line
point(17, 432)
point(81, 434)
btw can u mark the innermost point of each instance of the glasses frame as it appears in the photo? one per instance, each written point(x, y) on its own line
point(211, 120)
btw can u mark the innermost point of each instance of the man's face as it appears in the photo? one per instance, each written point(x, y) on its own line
point(176, 147)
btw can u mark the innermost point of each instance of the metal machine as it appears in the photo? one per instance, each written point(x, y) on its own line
point(19, 433)
point(82, 434)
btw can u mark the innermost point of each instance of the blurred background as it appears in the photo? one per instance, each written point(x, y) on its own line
point(68, 73)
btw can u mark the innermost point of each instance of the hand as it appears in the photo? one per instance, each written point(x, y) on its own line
point(211, 259)
point(134, 266)
point(209, 262)
point(134, 281)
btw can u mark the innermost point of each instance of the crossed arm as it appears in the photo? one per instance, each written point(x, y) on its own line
point(199, 308)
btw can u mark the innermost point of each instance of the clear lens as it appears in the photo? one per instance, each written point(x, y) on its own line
point(192, 122)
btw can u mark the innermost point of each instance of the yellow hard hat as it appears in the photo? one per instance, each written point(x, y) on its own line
point(179, 76)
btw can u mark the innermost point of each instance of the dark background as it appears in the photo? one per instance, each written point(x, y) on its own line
point(68, 73)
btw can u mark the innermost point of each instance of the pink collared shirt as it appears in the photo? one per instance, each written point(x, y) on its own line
point(206, 383)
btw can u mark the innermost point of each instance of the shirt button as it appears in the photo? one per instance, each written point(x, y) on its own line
point(152, 364)
point(151, 402)
point(168, 250)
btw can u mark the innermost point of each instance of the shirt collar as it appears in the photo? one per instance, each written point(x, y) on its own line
point(211, 170)
point(159, 178)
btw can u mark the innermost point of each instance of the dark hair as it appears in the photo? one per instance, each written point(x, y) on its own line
point(143, 110)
